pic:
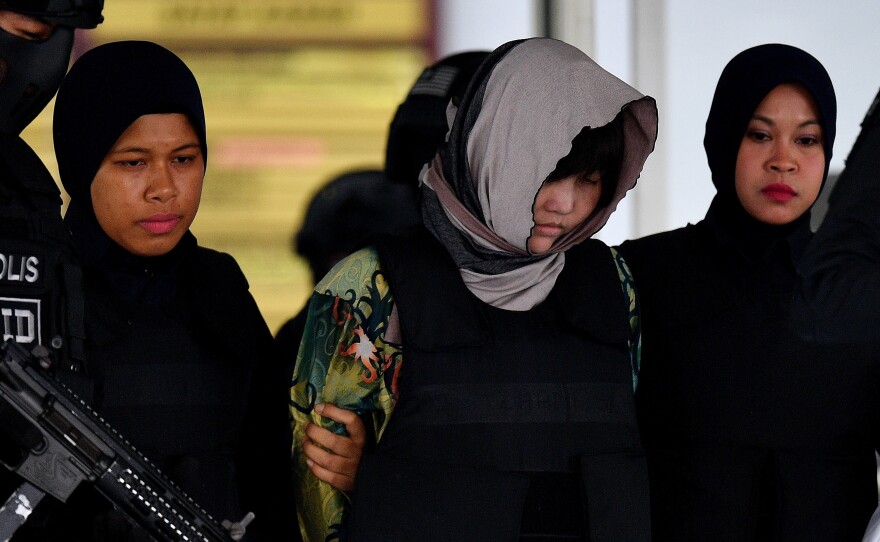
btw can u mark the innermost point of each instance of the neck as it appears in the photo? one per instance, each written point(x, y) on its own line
point(754, 238)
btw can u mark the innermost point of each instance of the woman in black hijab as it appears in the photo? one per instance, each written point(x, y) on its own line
point(179, 358)
point(749, 431)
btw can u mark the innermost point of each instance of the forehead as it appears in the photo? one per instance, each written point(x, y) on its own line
point(789, 100)
point(158, 128)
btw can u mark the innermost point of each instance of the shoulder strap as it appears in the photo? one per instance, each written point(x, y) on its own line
point(74, 308)
point(428, 289)
point(586, 295)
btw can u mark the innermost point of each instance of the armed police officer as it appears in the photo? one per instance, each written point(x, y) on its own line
point(40, 299)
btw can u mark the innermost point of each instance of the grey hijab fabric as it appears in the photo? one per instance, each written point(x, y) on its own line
point(518, 118)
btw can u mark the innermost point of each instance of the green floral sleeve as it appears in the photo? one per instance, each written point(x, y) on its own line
point(632, 300)
point(343, 359)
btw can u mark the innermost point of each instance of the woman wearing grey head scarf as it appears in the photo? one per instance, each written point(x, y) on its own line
point(513, 414)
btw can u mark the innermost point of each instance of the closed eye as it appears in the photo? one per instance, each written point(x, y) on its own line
point(592, 179)
point(131, 163)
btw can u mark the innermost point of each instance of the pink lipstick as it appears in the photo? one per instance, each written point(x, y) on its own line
point(547, 229)
point(160, 224)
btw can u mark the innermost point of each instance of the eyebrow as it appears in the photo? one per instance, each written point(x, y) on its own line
point(769, 121)
point(143, 150)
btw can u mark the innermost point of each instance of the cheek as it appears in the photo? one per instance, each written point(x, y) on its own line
point(739, 185)
point(107, 203)
point(814, 178)
point(191, 195)
point(748, 170)
point(744, 175)
point(111, 218)
point(747, 185)
point(587, 199)
point(114, 222)
point(540, 199)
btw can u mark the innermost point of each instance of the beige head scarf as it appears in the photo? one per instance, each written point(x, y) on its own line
point(518, 118)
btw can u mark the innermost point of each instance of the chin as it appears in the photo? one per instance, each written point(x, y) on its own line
point(150, 253)
point(777, 217)
point(538, 251)
point(152, 249)
point(775, 220)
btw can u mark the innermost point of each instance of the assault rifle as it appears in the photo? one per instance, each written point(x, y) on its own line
point(62, 443)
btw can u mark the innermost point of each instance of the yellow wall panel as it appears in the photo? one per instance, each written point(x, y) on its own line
point(279, 21)
point(295, 92)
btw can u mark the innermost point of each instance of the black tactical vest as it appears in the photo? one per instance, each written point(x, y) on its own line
point(40, 286)
point(510, 425)
point(40, 289)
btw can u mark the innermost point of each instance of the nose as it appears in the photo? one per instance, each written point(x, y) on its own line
point(782, 160)
point(560, 196)
point(162, 186)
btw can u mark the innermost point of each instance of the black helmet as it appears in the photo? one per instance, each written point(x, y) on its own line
point(72, 13)
point(419, 126)
point(31, 71)
point(347, 212)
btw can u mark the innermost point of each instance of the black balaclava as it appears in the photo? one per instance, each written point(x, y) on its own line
point(30, 71)
point(743, 84)
point(107, 89)
point(420, 125)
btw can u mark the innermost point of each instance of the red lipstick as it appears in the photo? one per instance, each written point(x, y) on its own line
point(779, 192)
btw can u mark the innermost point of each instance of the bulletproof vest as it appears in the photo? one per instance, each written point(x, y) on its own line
point(510, 425)
point(40, 286)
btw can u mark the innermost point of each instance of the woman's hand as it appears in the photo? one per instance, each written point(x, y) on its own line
point(335, 458)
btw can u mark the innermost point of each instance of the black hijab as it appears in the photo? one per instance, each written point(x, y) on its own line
point(743, 84)
point(106, 90)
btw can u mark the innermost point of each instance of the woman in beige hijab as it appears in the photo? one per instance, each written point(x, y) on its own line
point(513, 413)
